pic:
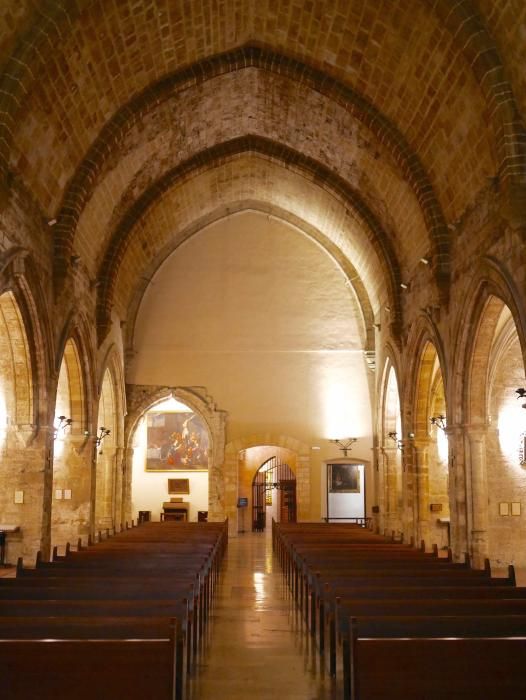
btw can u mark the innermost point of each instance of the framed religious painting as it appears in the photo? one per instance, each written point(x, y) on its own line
point(176, 441)
point(344, 478)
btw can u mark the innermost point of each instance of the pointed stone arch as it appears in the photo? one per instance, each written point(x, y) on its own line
point(141, 397)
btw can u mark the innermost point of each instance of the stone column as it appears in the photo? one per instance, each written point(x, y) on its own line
point(479, 494)
point(127, 473)
point(118, 494)
point(391, 456)
point(421, 471)
point(303, 486)
point(380, 519)
point(457, 491)
point(409, 519)
point(47, 492)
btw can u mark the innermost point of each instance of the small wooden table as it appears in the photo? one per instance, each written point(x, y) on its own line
point(175, 511)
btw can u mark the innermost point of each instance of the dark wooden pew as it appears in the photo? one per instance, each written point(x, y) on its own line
point(104, 597)
point(84, 669)
point(454, 658)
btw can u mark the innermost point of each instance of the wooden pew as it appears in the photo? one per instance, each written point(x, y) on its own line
point(144, 574)
point(84, 669)
point(453, 658)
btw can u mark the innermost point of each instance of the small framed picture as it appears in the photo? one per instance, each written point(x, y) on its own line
point(19, 496)
point(344, 478)
point(504, 508)
point(178, 486)
point(516, 508)
point(58, 494)
point(67, 494)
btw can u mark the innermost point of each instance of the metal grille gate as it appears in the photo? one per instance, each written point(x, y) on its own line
point(273, 475)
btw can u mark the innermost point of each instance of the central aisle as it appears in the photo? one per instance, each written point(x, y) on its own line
point(257, 648)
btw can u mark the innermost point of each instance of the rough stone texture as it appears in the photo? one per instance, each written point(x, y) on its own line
point(393, 132)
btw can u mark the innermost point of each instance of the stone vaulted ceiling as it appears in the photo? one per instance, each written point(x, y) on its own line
point(374, 126)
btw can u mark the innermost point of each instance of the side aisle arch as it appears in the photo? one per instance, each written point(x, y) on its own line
point(492, 356)
point(141, 398)
point(25, 351)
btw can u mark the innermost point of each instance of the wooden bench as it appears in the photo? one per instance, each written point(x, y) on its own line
point(104, 600)
point(415, 658)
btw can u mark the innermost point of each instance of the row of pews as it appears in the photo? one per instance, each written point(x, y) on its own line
point(120, 619)
point(399, 623)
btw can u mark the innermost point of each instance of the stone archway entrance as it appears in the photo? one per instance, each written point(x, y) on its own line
point(273, 493)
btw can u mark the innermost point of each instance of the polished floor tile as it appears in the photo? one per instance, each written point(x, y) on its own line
point(257, 646)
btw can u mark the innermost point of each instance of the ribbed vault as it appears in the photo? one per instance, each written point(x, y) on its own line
point(250, 174)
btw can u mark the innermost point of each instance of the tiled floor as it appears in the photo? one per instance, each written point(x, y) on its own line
point(257, 647)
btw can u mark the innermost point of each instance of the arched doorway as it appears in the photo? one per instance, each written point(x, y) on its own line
point(273, 494)
point(390, 489)
point(106, 484)
point(496, 438)
point(431, 451)
point(17, 485)
point(170, 465)
point(72, 476)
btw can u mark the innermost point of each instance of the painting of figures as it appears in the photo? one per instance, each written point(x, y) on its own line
point(176, 441)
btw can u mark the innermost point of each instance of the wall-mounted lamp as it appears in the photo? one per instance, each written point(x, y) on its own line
point(345, 444)
point(63, 424)
point(394, 437)
point(439, 421)
point(103, 434)
point(521, 394)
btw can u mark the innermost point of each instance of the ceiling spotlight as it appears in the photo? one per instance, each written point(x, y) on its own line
point(75, 260)
point(424, 261)
point(51, 222)
point(404, 285)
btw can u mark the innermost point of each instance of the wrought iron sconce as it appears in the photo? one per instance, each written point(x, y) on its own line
point(394, 437)
point(63, 424)
point(345, 444)
point(439, 421)
point(103, 434)
point(521, 394)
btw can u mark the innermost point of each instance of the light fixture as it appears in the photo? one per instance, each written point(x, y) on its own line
point(521, 394)
point(393, 435)
point(51, 222)
point(103, 434)
point(439, 421)
point(404, 285)
point(345, 444)
point(424, 261)
point(63, 424)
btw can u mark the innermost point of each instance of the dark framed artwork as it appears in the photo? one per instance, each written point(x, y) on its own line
point(344, 478)
point(178, 486)
point(176, 441)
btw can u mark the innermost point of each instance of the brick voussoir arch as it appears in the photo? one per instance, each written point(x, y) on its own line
point(250, 56)
point(491, 281)
point(214, 156)
point(467, 27)
point(423, 331)
point(363, 300)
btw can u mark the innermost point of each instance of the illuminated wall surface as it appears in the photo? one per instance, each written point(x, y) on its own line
point(258, 314)
point(261, 316)
point(150, 489)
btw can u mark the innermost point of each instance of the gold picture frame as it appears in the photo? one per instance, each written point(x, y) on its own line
point(176, 486)
point(176, 441)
